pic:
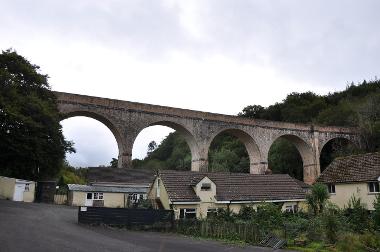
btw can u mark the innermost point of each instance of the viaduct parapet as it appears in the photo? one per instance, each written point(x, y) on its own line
point(127, 119)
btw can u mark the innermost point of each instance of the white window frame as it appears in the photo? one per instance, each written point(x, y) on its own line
point(372, 185)
point(188, 211)
point(98, 196)
point(330, 187)
point(213, 211)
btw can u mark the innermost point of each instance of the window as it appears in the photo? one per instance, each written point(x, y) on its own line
point(98, 196)
point(206, 187)
point(291, 209)
point(212, 212)
point(331, 188)
point(373, 187)
point(141, 196)
point(26, 188)
point(158, 188)
point(89, 195)
point(187, 213)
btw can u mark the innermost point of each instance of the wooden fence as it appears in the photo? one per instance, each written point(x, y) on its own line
point(60, 199)
point(124, 216)
point(220, 230)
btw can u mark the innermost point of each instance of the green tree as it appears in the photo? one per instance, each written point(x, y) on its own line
point(31, 142)
point(151, 147)
point(114, 162)
point(317, 197)
point(369, 122)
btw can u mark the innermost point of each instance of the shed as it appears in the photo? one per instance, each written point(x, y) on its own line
point(17, 189)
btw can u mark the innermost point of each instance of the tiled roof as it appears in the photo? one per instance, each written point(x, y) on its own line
point(356, 168)
point(119, 175)
point(114, 189)
point(232, 186)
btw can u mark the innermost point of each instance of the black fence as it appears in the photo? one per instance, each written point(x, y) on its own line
point(129, 217)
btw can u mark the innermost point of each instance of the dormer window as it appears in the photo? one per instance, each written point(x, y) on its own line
point(206, 187)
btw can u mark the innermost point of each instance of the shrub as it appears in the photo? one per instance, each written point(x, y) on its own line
point(269, 216)
point(317, 198)
point(333, 222)
point(357, 243)
point(246, 213)
point(376, 213)
point(357, 215)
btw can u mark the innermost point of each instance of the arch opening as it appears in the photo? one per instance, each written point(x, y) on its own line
point(167, 146)
point(292, 155)
point(336, 147)
point(90, 151)
point(233, 150)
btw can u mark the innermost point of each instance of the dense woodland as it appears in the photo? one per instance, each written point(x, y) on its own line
point(356, 106)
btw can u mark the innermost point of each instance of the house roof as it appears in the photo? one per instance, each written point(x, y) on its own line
point(120, 175)
point(232, 186)
point(355, 168)
point(112, 189)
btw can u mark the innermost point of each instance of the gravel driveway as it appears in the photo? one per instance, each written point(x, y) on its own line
point(44, 227)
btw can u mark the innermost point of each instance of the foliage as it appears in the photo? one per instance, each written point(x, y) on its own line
point(317, 198)
point(228, 154)
point(285, 158)
point(351, 242)
point(71, 175)
point(31, 142)
point(269, 216)
point(114, 162)
point(172, 153)
point(357, 215)
point(376, 213)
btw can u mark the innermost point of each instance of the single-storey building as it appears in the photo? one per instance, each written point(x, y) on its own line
point(199, 194)
point(356, 175)
point(104, 196)
point(17, 189)
point(111, 187)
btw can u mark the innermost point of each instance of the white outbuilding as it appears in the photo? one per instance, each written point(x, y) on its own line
point(17, 189)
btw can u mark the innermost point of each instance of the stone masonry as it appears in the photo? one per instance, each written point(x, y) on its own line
point(127, 119)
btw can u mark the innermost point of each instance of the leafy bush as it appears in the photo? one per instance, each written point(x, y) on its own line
point(357, 215)
point(376, 213)
point(357, 243)
point(317, 198)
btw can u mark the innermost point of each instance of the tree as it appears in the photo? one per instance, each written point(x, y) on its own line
point(151, 147)
point(317, 197)
point(369, 123)
point(32, 145)
point(114, 162)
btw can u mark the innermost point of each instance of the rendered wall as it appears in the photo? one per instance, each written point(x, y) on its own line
point(77, 198)
point(113, 199)
point(343, 193)
point(29, 195)
point(7, 187)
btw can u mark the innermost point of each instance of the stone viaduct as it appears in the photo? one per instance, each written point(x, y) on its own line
point(126, 119)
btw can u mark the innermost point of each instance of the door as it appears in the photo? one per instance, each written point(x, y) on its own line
point(19, 192)
point(89, 199)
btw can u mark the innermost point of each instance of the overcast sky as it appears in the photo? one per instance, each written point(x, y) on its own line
point(216, 56)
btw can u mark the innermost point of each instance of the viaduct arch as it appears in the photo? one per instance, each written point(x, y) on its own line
point(127, 119)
